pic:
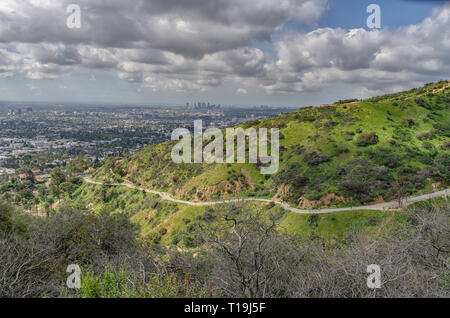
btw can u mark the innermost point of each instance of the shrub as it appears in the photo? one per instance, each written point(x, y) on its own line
point(409, 122)
point(314, 158)
point(427, 145)
point(446, 145)
point(402, 134)
point(365, 140)
point(442, 163)
point(425, 135)
point(330, 124)
point(300, 150)
point(384, 156)
point(313, 220)
point(123, 284)
point(348, 135)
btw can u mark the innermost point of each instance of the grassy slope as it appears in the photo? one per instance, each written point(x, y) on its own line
point(173, 224)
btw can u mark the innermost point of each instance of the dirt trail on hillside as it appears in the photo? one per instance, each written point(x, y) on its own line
point(393, 205)
point(437, 90)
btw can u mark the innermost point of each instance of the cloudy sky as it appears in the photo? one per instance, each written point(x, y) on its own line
point(233, 52)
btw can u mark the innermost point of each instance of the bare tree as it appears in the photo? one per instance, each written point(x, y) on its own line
point(251, 259)
point(413, 261)
point(401, 187)
point(25, 271)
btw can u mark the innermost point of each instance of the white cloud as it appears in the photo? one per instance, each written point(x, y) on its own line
point(185, 45)
point(371, 59)
point(188, 27)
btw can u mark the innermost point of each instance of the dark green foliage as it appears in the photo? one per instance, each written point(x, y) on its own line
point(300, 150)
point(442, 163)
point(359, 179)
point(409, 122)
point(446, 145)
point(330, 124)
point(122, 283)
point(427, 145)
point(6, 221)
point(349, 135)
point(425, 135)
point(347, 101)
point(384, 157)
point(442, 129)
point(313, 220)
point(82, 236)
point(293, 176)
point(365, 140)
point(314, 158)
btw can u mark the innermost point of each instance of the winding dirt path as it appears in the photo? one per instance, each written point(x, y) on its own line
point(380, 206)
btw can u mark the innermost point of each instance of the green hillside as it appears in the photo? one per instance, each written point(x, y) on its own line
point(167, 223)
point(342, 154)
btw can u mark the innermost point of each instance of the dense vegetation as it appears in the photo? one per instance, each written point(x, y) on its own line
point(169, 224)
point(37, 195)
point(244, 254)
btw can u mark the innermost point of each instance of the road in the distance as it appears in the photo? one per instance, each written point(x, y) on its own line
point(379, 206)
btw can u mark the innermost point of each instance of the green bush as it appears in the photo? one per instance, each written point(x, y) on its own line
point(314, 158)
point(425, 135)
point(122, 284)
point(365, 140)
